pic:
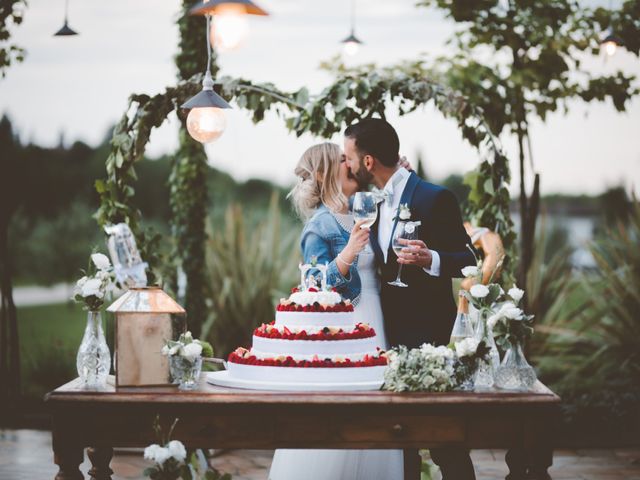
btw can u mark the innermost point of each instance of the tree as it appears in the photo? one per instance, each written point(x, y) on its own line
point(188, 179)
point(520, 59)
point(11, 12)
point(11, 178)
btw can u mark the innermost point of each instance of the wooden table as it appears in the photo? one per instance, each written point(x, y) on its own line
point(229, 418)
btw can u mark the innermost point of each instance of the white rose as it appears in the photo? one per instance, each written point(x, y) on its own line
point(100, 260)
point(162, 455)
point(516, 293)
point(465, 347)
point(513, 313)
point(479, 291)
point(404, 213)
point(492, 320)
point(470, 271)
point(192, 351)
point(188, 336)
point(91, 287)
point(177, 450)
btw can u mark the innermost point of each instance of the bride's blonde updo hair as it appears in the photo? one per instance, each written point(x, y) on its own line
point(318, 181)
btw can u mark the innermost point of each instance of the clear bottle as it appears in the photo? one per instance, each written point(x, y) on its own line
point(94, 359)
point(485, 377)
point(462, 327)
point(515, 373)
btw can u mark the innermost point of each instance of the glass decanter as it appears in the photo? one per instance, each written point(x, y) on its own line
point(94, 359)
point(515, 373)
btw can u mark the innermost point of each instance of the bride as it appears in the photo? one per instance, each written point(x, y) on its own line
point(330, 234)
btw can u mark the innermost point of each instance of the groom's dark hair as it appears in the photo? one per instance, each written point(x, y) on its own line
point(375, 137)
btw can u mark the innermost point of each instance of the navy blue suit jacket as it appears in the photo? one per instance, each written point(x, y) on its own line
point(425, 311)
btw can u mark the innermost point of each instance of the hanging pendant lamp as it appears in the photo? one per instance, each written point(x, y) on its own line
point(65, 31)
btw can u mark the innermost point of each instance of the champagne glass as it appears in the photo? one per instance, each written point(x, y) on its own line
point(403, 231)
point(365, 207)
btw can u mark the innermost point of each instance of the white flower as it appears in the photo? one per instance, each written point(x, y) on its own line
point(516, 293)
point(175, 349)
point(165, 350)
point(100, 260)
point(466, 347)
point(177, 450)
point(492, 320)
point(479, 291)
point(188, 336)
point(192, 351)
point(157, 454)
point(82, 281)
point(513, 313)
point(403, 212)
point(92, 287)
point(470, 271)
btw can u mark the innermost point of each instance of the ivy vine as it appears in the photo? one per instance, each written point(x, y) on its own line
point(353, 95)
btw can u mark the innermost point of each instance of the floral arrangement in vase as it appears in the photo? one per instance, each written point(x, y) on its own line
point(185, 359)
point(433, 369)
point(93, 360)
point(172, 461)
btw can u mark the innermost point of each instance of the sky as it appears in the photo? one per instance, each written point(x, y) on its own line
point(77, 87)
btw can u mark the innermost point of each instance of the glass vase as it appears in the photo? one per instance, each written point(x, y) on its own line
point(515, 373)
point(185, 372)
point(486, 371)
point(93, 360)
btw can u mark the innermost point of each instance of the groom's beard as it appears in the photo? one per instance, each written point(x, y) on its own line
point(363, 177)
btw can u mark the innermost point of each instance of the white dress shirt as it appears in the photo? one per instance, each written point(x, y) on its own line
point(388, 209)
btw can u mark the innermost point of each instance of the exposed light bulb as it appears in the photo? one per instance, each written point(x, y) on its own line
point(610, 48)
point(206, 124)
point(351, 48)
point(230, 28)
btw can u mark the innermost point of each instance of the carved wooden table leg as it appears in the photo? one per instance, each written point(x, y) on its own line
point(412, 464)
point(100, 459)
point(539, 462)
point(68, 459)
point(516, 459)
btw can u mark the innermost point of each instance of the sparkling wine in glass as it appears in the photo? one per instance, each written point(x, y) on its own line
point(365, 208)
point(403, 231)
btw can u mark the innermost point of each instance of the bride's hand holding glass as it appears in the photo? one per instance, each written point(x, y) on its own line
point(358, 240)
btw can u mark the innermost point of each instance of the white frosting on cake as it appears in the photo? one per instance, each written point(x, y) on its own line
point(344, 320)
point(310, 329)
point(306, 298)
point(354, 357)
point(306, 375)
point(354, 349)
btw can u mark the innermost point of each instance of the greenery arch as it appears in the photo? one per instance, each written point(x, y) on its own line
point(353, 95)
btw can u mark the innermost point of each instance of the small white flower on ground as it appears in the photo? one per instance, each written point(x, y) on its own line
point(465, 347)
point(192, 351)
point(516, 293)
point(470, 271)
point(157, 454)
point(479, 291)
point(100, 260)
point(91, 287)
point(177, 450)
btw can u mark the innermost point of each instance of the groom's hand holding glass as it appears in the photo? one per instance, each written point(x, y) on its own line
point(415, 253)
point(358, 240)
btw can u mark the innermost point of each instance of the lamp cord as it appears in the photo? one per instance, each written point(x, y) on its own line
point(208, 43)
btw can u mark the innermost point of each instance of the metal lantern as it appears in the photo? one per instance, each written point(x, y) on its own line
point(145, 318)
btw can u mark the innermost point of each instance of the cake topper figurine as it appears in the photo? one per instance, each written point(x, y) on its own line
point(127, 264)
point(311, 280)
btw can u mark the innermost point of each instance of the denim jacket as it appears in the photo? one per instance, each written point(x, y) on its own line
point(324, 238)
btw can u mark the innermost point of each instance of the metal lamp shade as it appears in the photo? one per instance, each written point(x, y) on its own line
point(206, 98)
point(352, 39)
point(611, 38)
point(145, 318)
point(210, 7)
point(65, 31)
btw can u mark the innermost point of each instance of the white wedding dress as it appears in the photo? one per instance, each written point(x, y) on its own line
point(347, 464)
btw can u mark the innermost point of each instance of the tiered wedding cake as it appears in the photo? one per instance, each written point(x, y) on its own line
point(313, 342)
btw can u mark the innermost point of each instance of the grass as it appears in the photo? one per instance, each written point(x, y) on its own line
point(49, 339)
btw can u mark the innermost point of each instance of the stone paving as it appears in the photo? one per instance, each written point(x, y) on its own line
point(27, 455)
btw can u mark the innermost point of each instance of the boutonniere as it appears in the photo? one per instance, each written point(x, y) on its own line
point(404, 213)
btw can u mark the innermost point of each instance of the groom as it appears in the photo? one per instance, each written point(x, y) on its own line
point(425, 310)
